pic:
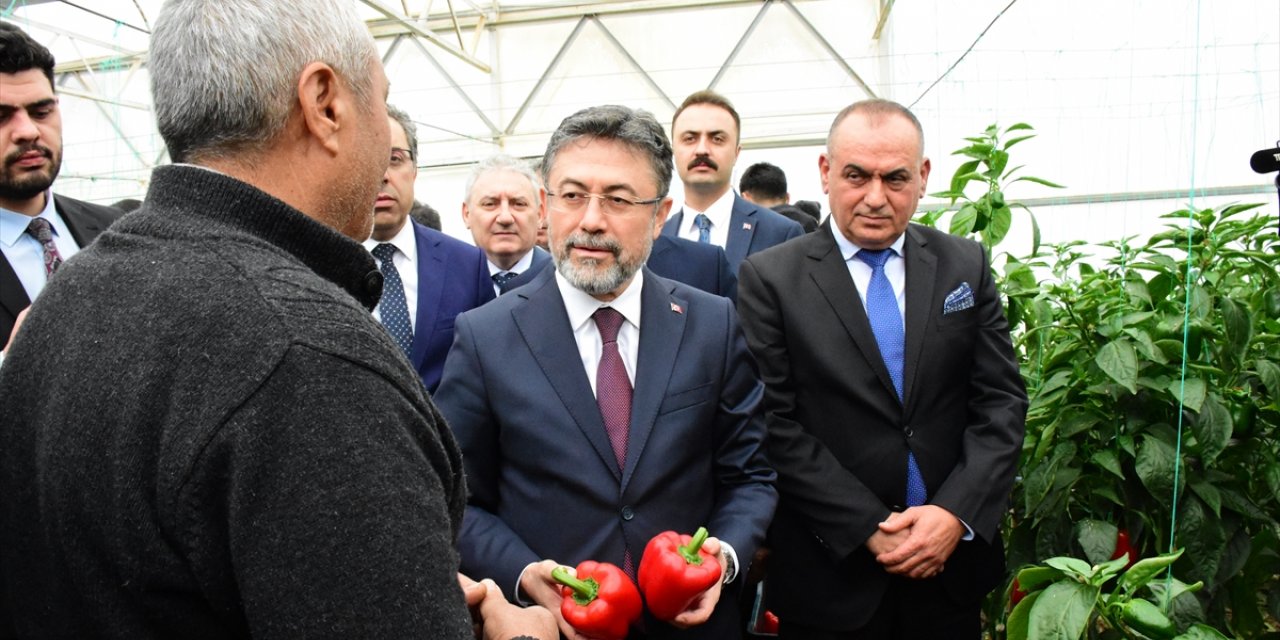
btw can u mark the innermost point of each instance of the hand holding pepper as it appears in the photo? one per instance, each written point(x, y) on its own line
point(681, 577)
point(600, 602)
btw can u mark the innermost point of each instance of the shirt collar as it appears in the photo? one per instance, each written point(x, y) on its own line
point(519, 267)
point(404, 242)
point(719, 212)
point(580, 305)
point(14, 224)
point(848, 249)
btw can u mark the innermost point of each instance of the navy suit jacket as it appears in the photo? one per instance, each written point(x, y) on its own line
point(540, 259)
point(701, 266)
point(839, 436)
point(85, 221)
point(453, 277)
point(542, 475)
point(752, 228)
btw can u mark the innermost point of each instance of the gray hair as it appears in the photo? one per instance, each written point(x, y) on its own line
point(502, 162)
point(876, 109)
point(636, 128)
point(410, 130)
point(224, 73)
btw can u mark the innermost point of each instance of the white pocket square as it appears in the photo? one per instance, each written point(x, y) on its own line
point(958, 300)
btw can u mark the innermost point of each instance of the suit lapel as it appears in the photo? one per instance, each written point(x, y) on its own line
point(661, 335)
point(922, 267)
point(543, 322)
point(833, 280)
point(83, 228)
point(431, 270)
point(742, 228)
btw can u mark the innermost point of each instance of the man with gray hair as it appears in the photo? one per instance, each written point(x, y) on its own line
point(205, 432)
point(503, 208)
point(621, 402)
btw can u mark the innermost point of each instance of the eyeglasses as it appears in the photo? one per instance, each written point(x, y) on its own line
point(609, 204)
point(400, 158)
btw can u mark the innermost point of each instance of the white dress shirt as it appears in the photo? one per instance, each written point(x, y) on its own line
point(719, 213)
point(581, 306)
point(895, 269)
point(518, 268)
point(406, 263)
point(24, 253)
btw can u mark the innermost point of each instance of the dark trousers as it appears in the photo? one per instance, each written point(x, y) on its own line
point(910, 610)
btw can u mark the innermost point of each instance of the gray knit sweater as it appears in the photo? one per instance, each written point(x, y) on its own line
point(204, 434)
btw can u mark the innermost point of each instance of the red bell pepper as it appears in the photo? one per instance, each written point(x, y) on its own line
point(601, 602)
point(674, 571)
point(1123, 546)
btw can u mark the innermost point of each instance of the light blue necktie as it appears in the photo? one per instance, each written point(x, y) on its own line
point(704, 228)
point(886, 323)
point(392, 308)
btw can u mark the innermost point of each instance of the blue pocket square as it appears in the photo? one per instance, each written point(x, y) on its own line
point(958, 300)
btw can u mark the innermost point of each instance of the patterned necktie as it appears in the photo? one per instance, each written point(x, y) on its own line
point(392, 308)
point(41, 230)
point(501, 279)
point(886, 323)
point(613, 395)
point(704, 228)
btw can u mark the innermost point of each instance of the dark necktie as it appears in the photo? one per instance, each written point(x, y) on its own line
point(704, 228)
point(41, 230)
point(501, 279)
point(392, 308)
point(886, 323)
point(613, 395)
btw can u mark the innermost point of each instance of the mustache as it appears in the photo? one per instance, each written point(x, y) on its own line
point(593, 241)
point(28, 148)
point(704, 161)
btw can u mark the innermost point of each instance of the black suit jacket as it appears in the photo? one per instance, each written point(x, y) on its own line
point(85, 221)
point(701, 266)
point(838, 435)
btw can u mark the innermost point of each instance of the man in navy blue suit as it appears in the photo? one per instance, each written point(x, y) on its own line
point(706, 140)
point(602, 404)
point(429, 277)
point(503, 210)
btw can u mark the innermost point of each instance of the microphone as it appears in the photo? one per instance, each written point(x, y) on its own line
point(1266, 160)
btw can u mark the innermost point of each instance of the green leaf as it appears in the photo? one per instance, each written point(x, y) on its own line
point(1271, 477)
point(964, 173)
point(1014, 141)
point(1154, 466)
point(1097, 539)
point(1119, 360)
point(1238, 327)
point(1032, 578)
point(1062, 611)
point(1201, 631)
point(1071, 566)
point(1037, 181)
point(1021, 126)
point(997, 162)
point(1107, 459)
point(1192, 393)
point(1019, 619)
point(1159, 286)
point(1269, 374)
point(1208, 493)
point(1001, 219)
point(1204, 538)
point(1146, 347)
point(1212, 427)
point(1144, 570)
point(963, 221)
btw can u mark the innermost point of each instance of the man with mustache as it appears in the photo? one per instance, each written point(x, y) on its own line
point(706, 137)
point(894, 403)
point(602, 404)
point(430, 277)
point(38, 230)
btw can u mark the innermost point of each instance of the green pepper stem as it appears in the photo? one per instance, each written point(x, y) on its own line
point(690, 551)
point(584, 591)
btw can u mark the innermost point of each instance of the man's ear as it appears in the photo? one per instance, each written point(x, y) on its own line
point(664, 209)
point(321, 96)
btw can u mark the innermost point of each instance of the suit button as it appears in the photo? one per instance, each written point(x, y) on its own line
point(627, 513)
point(906, 431)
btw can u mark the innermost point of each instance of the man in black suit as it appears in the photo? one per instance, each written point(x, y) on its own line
point(38, 230)
point(766, 185)
point(894, 402)
point(705, 141)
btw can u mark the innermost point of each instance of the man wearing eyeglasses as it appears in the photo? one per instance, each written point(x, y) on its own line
point(601, 404)
point(429, 277)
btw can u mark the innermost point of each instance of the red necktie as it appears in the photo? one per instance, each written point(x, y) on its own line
point(613, 395)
